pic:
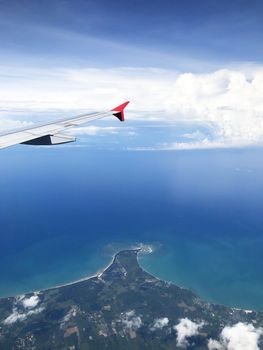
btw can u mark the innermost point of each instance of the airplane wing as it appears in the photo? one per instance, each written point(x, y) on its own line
point(49, 134)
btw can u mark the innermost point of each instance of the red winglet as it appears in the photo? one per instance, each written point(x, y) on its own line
point(120, 111)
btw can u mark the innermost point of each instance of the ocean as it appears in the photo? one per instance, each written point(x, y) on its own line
point(64, 211)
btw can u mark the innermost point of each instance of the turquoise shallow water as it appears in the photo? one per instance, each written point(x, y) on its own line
point(221, 272)
point(65, 211)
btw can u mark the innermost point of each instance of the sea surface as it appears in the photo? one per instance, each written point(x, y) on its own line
point(64, 211)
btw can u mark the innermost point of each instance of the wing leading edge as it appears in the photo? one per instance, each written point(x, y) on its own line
point(49, 134)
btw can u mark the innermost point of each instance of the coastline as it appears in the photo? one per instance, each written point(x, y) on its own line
point(101, 304)
point(97, 274)
point(141, 250)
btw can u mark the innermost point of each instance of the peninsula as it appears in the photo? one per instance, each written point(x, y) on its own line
point(124, 307)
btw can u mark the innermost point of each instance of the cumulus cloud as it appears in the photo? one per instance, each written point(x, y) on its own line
point(228, 100)
point(16, 316)
point(24, 307)
point(30, 302)
point(159, 323)
point(214, 345)
point(185, 329)
point(130, 320)
point(241, 336)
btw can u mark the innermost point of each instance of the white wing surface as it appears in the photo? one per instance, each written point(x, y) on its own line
point(49, 134)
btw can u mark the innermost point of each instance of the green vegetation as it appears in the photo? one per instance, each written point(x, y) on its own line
point(115, 310)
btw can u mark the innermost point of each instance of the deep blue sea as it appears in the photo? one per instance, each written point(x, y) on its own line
point(65, 210)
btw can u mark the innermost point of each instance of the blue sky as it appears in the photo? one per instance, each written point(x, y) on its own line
point(193, 62)
point(144, 33)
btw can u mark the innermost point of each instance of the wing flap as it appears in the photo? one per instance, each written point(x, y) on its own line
point(48, 140)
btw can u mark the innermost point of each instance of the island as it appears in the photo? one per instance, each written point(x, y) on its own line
point(124, 307)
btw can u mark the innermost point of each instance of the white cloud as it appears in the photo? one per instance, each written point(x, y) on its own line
point(14, 317)
point(9, 124)
point(18, 316)
point(159, 323)
point(228, 100)
point(93, 130)
point(185, 329)
point(241, 336)
point(28, 304)
point(214, 345)
point(196, 135)
point(31, 302)
point(130, 320)
point(203, 144)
